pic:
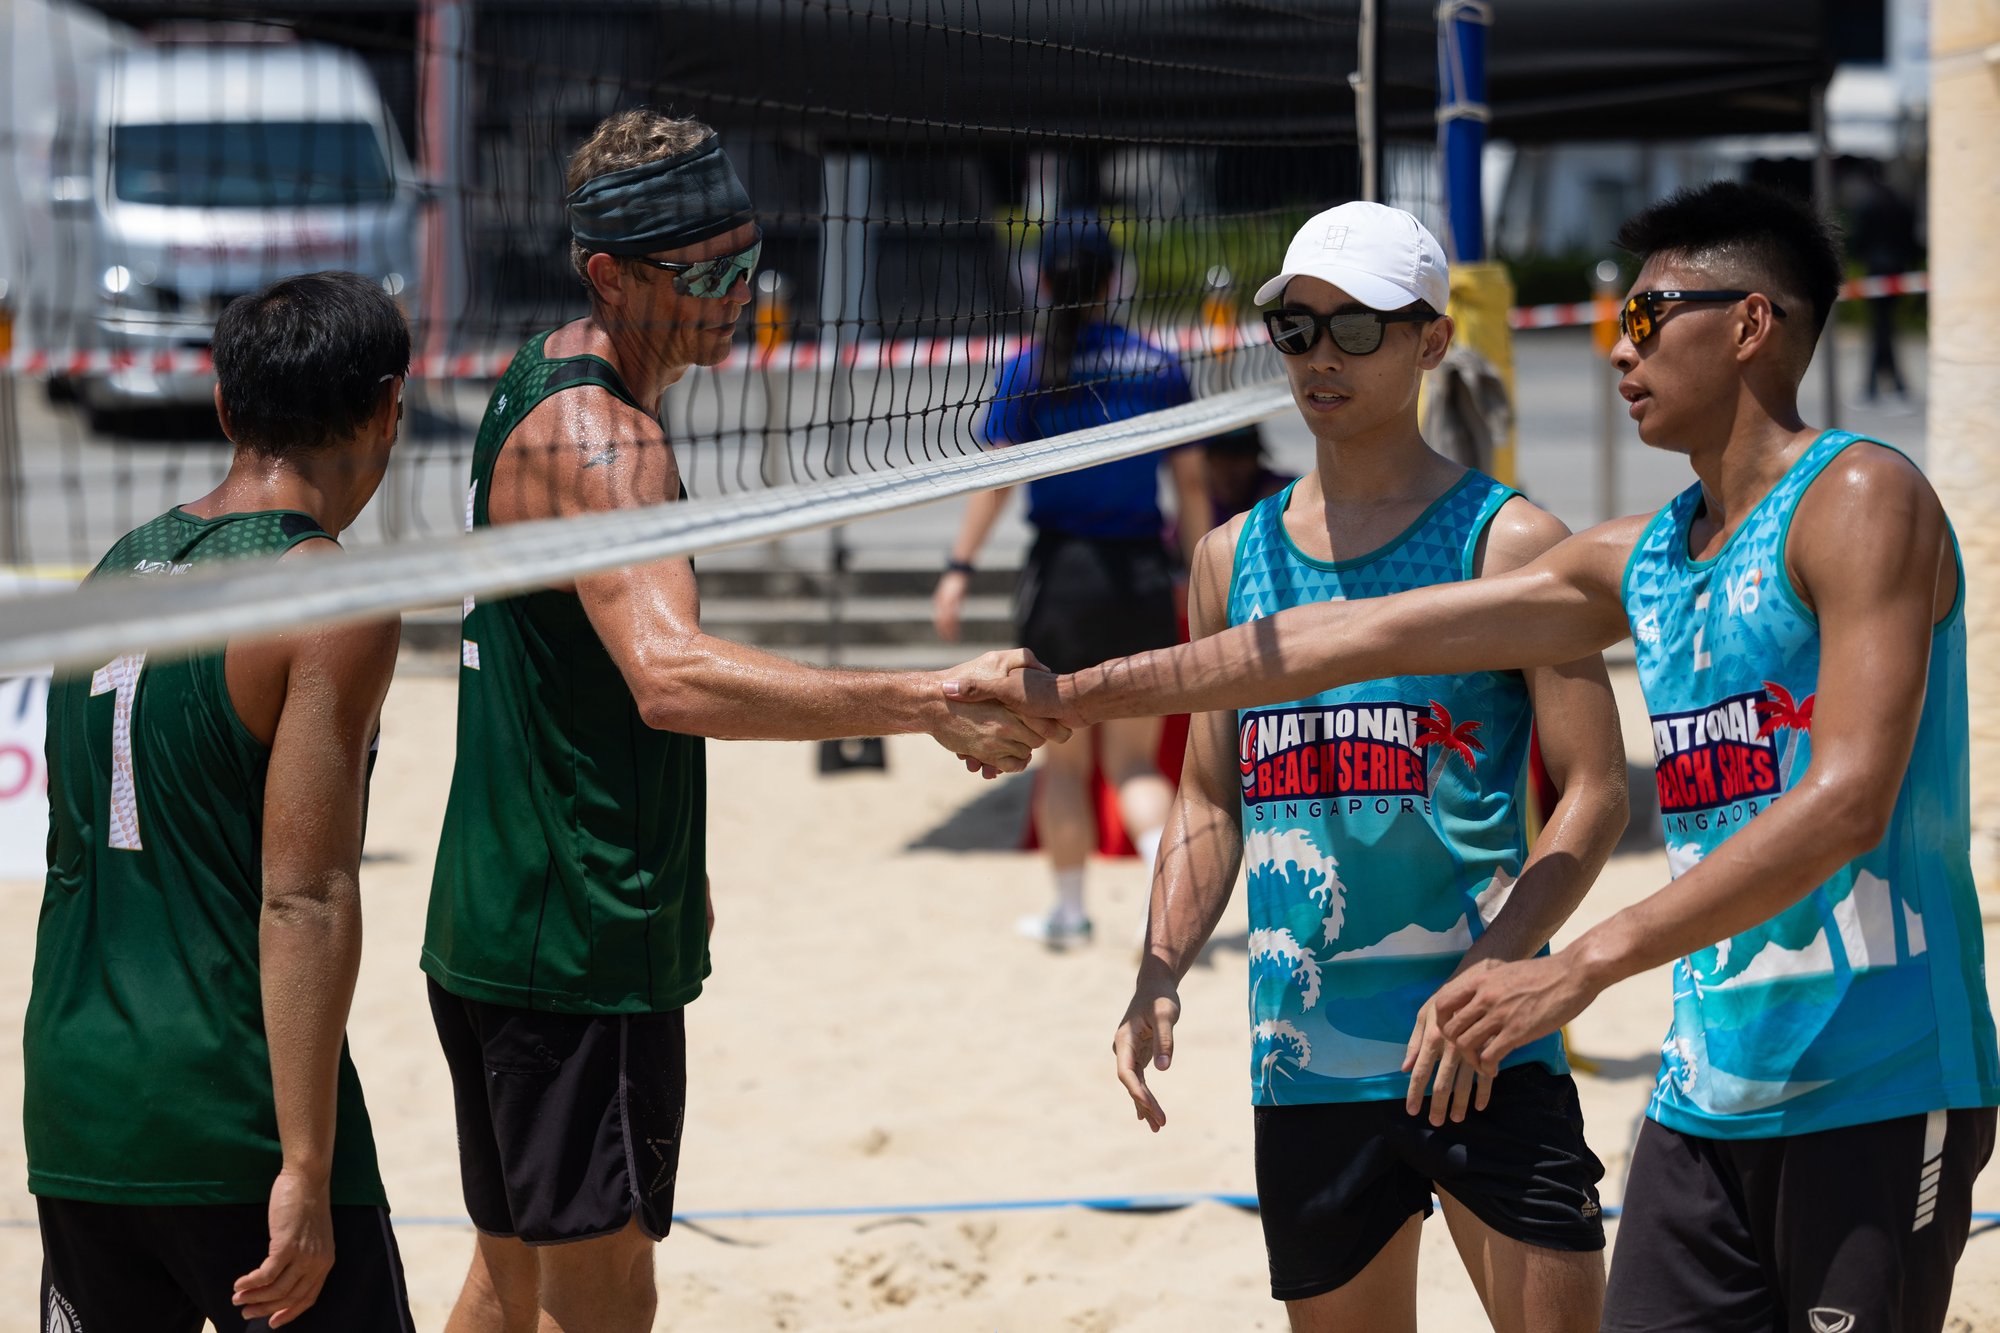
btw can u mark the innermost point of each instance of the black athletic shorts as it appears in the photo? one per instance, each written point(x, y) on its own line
point(569, 1125)
point(1856, 1228)
point(1336, 1182)
point(158, 1268)
point(1086, 600)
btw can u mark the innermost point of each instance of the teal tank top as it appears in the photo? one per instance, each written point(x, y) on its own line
point(1866, 999)
point(1382, 822)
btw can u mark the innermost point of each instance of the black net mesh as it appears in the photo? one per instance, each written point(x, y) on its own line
point(907, 159)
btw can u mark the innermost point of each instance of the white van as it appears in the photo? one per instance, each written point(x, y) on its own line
point(196, 173)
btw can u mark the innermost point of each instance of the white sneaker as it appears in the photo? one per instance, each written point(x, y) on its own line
point(1056, 930)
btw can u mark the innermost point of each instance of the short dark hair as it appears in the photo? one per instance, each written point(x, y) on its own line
point(301, 363)
point(1771, 237)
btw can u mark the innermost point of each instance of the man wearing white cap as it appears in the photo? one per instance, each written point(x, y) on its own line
point(1386, 843)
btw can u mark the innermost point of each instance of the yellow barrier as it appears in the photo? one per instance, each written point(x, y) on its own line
point(1481, 295)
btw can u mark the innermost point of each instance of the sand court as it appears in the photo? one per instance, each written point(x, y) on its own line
point(875, 1035)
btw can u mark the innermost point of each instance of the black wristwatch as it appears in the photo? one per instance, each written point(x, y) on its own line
point(958, 566)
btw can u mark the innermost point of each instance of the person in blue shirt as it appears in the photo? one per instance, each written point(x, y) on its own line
point(1827, 1087)
point(1099, 581)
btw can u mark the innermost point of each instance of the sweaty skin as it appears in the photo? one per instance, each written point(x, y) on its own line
point(1578, 725)
point(1869, 553)
point(314, 697)
point(585, 451)
point(1374, 477)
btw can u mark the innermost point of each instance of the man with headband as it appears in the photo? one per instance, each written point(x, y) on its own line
point(568, 920)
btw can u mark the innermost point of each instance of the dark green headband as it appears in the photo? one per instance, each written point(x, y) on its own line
point(661, 205)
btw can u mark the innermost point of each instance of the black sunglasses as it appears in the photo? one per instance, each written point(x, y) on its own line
point(1641, 314)
point(1295, 330)
point(710, 278)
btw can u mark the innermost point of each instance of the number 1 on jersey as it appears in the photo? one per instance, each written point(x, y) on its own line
point(468, 651)
point(120, 678)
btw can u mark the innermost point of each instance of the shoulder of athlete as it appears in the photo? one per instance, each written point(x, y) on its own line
point(1869, 503)
point(355, 658)
point(1522, 533)
point(362, 649)
point(1208, 579)
point(579, 451)
point(1216, 551)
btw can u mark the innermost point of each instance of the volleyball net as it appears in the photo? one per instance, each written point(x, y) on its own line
point(907, 159)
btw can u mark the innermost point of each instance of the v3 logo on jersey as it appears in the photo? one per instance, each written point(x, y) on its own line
point(1826, 1319)
point(1744, 594)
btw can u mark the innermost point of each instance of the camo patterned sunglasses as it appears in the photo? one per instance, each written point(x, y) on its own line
point(709, 279)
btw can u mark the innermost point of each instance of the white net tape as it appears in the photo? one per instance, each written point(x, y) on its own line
point(97, 623)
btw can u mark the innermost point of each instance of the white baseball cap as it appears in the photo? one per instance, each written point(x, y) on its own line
point(1381, 256)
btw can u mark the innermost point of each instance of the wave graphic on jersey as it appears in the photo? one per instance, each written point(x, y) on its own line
point(1290, 862)
point(1277, 953)
point(1275, 1043)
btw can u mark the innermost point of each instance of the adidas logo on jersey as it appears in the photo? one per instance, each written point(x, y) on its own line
point(1648, 628)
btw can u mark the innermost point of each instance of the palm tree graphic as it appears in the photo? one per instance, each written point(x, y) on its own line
point(1781, 712)
point(1446, 740)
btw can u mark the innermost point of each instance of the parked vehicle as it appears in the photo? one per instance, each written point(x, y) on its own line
point(185, 175)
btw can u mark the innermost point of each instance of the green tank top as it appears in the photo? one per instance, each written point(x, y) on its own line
point(148, 1080)
point(571, 870)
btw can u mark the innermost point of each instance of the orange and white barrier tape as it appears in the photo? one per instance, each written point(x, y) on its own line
point(1571, 313)
point(826, 354)
point(829, 354)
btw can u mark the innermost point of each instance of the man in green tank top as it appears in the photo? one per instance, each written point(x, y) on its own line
point(568, 917)
point(186, 1064)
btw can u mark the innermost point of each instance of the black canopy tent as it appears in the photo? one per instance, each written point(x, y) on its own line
point(1567, 70)
point(1222, 72)
point(997, 80)
point(872, 69)
point(1176, 70)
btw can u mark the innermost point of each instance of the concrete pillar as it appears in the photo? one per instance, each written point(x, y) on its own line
point(1964, 453)
point(444, 89)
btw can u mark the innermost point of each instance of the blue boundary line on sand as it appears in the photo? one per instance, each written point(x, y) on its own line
point(1114, 1203)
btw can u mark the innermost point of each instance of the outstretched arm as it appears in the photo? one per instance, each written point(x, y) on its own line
point(1198, 861)
point(610, 456)
point(1563, 606)
point(1871, 553)
point(1576, 721)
